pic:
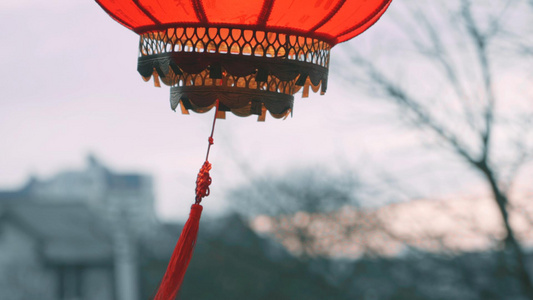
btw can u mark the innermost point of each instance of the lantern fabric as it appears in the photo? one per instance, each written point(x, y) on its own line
point(252, 55)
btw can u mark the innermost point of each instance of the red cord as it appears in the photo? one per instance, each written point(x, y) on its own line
point(203, 180)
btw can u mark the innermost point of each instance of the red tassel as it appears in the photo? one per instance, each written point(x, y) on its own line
point(171, 283)
point(181, 257)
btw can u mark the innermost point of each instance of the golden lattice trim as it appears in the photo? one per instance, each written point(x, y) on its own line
point(236, 41)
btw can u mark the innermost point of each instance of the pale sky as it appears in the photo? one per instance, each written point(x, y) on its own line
point(69, 86)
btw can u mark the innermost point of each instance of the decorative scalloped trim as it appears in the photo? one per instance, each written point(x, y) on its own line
point(240, 101)
point(249, 72)
point(195, 63)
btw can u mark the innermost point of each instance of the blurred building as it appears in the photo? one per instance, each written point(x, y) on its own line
point(109, 194)
point(75, 235)
point(93, 234)
point(54, 251)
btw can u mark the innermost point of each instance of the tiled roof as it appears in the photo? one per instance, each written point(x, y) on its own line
point(69, 233)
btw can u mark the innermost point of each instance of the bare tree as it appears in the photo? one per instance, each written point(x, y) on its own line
point(298, 202)
point(316, 214)
point(460, 71)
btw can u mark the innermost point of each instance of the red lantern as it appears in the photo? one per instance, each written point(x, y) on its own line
point(252, 55)
point(243, 56)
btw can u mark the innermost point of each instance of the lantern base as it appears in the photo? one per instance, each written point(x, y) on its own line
point(240, 101)
point(249, 71)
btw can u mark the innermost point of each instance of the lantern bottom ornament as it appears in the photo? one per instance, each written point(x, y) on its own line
point(249, 71)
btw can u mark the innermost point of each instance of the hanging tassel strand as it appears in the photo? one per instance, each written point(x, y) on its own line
point(181, 257)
